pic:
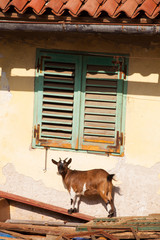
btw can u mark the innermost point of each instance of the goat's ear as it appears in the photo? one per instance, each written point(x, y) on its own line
point(69, 161)
point(54, 161)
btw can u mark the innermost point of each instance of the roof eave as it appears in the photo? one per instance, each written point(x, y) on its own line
point(82, 28)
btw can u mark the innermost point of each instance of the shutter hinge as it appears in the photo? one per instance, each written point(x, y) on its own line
point(119, 143)
point(125, 71)
point(119, 138)
point(36, 133)
point(116, 60)
point(38, 65)
point(39, 141)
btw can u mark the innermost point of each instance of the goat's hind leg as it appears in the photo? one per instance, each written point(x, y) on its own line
point(111, 211)
point(108, 199)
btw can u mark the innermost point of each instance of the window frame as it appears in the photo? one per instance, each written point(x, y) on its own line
point(41, 55)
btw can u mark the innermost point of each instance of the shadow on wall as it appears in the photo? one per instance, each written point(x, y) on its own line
point(144, 180)
point(143, 72)
point(93, 200)
point(38, 191)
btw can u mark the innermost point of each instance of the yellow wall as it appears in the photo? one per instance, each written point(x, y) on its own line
point(22, 168)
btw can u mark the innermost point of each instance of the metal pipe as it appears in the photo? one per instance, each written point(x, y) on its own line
point(85, 28)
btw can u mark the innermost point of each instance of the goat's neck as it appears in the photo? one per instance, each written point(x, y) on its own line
point(65, 173)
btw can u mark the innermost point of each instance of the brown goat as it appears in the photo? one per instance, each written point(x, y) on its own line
point(92, 182)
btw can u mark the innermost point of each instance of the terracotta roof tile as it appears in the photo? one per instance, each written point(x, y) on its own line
point(156, 12)
point(54, 5)
point(3, 3)
point(90, 7)
point(18, 5)
point(94, 8)
point(36, 5)
point(157, 1)
point(129, 7)
point(109, 7)
point(139, 1)
point(148, 6)
point(72, 6)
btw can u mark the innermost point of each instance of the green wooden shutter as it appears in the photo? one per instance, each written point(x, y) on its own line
point(57, 89)
point(101, 104)
point(79, 102)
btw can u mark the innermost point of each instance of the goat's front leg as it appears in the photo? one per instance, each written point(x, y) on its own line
point(73, 202)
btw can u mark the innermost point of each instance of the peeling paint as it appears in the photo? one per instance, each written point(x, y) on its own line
point(138, 189)
point(4, 82)
point(132, 196)
point(5, 94)
point(30, 187)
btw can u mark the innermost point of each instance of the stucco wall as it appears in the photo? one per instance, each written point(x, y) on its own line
point(137, 189)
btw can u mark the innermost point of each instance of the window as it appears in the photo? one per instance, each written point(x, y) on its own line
point(79, 101)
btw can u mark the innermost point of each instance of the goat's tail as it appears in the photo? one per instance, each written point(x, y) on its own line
point(110, 177)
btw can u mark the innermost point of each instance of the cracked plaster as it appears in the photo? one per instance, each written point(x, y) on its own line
point(136, 191)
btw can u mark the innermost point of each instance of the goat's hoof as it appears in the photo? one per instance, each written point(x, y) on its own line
point(111, 214)
point(75, 210)
point(70, 211)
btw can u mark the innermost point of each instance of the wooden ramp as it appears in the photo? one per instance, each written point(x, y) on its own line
point(45, 206)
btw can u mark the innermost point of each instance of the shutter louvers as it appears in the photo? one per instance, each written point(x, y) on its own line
point(57, 106)
point(100, 108)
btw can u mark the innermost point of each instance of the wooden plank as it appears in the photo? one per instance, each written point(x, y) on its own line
point(100, 97)
point(99, 125)
point(91, 234)
point(57, 114)
point(45, 223)
point(101, 90)
point(28, 228)
point(155, 215)
point(101, 82)
point(100, 118)
point(139, 224)
point(56, 127)
point(50, 95)
point(58, 109)
point(98, 132)
point(105, 104)
point(51, 64)
point(141, 235)
point(4, 210)
point(42, 205)
point(57, 134)
point(99, 111)
point(55, 120)
point(56, 99)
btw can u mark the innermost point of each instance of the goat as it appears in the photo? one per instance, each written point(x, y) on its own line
point(92, 182)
